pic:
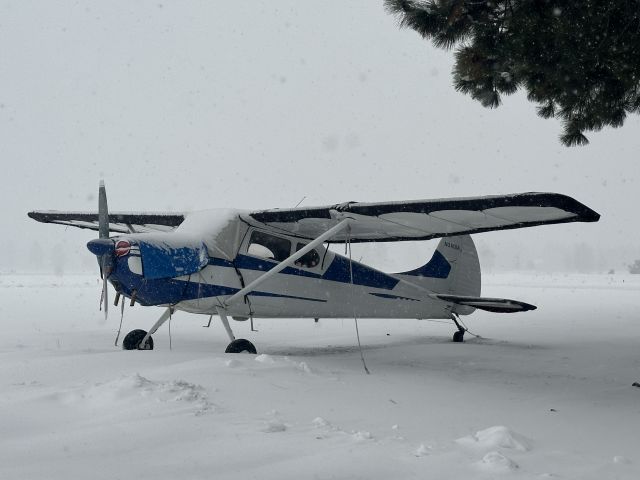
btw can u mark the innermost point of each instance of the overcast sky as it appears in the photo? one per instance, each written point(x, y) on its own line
point(257, 104)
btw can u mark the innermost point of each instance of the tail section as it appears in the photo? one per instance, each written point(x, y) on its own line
point(454, 269)
point(453, 275)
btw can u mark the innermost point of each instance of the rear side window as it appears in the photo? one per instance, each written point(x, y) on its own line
point(309, 259)
point(269, 246)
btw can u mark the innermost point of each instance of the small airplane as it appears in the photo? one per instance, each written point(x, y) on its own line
point(276, 263)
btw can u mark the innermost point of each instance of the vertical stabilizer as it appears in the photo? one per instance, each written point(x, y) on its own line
point(461, 253)
point(453, 269)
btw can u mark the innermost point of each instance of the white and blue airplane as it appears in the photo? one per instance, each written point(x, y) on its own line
point(276, 263)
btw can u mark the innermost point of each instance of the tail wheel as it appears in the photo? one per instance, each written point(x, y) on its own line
point(458, 336)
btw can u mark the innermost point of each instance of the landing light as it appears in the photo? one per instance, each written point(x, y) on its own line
point(122, 248)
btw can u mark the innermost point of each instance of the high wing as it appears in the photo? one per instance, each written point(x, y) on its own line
point(426, 219)
point(120, 222)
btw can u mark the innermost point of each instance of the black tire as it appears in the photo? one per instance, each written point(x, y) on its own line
point(133, 339)
point(241, 345)
point(458, 337)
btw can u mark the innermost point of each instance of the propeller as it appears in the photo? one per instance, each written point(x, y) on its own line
point(103, 247)
point(103, 232)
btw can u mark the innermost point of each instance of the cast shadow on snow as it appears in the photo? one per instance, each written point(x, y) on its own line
point(267, 346)
point(329, 350)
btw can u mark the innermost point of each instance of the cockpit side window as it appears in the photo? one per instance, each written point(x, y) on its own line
point(269, 246)
point(309, 259)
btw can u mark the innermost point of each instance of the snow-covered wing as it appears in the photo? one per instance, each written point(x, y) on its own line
point(119, 222)
point(427, 219)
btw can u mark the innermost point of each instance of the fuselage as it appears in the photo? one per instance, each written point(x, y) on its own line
point(322, 284)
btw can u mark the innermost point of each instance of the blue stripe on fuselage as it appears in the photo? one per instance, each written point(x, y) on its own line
point(279, 295)
point(170, 290)
point(220, 262)
point(338, 271)
point(437, 267)
point(252, 263)
point(393, 297)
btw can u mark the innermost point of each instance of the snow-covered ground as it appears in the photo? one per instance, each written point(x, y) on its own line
point(544, 394)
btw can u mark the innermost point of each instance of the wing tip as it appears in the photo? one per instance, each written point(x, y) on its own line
point(37, 216)
point(589, 215)
point(582, 212)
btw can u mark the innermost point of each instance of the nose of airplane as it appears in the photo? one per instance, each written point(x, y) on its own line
point(101, 246)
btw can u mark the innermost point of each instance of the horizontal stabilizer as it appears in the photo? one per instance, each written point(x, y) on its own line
point(497, 305)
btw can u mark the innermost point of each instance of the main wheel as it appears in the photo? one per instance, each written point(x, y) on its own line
point(133, 339)
point(458, 337)
point(241, 345)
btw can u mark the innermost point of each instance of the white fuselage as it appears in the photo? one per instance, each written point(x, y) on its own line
point(323, 284)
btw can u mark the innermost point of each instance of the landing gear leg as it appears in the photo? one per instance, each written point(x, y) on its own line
point(458, 336)
point(239, 345)
point(141, 340)
point(225, 322)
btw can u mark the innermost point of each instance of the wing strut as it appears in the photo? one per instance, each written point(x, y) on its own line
point(288, 261)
